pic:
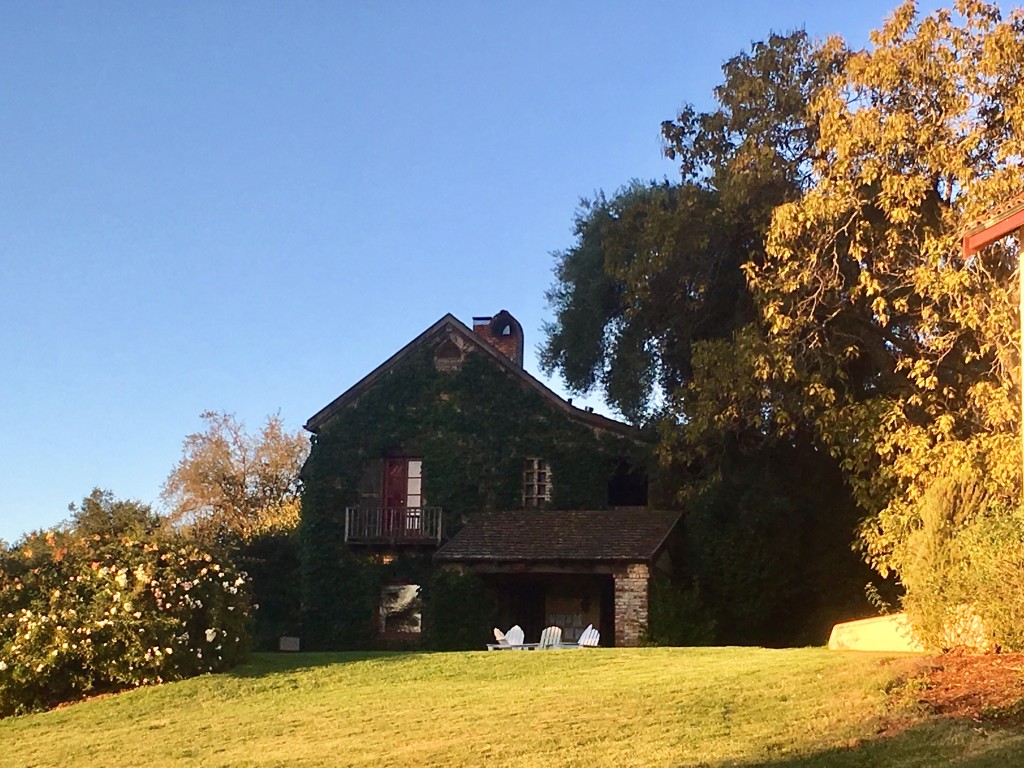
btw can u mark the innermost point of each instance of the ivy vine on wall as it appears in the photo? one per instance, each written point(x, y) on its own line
point(474, 427)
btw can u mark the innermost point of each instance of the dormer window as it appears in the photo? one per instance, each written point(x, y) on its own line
point(536, 483)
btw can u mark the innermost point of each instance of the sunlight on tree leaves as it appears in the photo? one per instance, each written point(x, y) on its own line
point(233, 483)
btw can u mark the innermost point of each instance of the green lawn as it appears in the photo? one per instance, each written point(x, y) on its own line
point(601, 707)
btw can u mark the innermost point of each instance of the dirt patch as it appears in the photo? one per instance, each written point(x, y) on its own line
point(983, 688)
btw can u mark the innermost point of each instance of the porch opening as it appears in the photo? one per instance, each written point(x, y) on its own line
point(570, 601)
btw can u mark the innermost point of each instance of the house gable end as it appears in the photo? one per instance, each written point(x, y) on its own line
point(447, 332)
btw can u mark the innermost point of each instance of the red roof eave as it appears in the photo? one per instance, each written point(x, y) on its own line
point(993, 229)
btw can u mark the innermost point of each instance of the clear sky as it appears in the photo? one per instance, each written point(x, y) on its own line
point(248, 206)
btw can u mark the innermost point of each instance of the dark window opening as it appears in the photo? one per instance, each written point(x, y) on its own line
point(400, 611)
point(448, 350)
point(627, 486)
point(447, 356)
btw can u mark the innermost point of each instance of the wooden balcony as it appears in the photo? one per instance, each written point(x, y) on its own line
point(393, 526)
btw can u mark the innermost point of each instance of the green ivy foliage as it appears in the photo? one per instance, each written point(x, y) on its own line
point(677, 615)
point(474, 428)
point(459, 611)
point(964, 573)
point(271, 563)
point(771, 545)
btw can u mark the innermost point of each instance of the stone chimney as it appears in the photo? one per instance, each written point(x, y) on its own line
point(502, 332)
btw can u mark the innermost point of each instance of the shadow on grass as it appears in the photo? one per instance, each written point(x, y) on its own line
point(265, 663)
point(936, 742)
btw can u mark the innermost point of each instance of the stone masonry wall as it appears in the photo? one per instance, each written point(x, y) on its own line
point(631, 584)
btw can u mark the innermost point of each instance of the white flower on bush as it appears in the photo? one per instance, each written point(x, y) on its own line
point(3, 666)
point(211, 635)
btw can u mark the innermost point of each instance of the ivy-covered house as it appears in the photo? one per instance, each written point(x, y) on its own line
point(451, 474)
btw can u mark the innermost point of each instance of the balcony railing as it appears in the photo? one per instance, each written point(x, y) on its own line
point(393, 525)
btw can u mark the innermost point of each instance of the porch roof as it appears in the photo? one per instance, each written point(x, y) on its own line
point(633, 535)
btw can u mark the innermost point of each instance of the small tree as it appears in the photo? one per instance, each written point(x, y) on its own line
point(230, 483)
point(100, 514)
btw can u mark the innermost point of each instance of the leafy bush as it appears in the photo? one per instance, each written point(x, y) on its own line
point(105, 611)
point(964, 568)
point(677, 615)
point(271, 563)
point(769, 543)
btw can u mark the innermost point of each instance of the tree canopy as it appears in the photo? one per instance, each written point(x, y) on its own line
point(651, 302)
point(906, 353)
point(653, 307)
point(803, 284)
point(233, 483)
point(101, 513)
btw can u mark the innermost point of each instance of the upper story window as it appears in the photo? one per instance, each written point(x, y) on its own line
point(536, 483)
point(403, 482)
point(627, 487)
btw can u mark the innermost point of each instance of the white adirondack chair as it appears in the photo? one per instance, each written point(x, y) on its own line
point(550, 638)
point(499, 641)
point(515, 637)
point(512, 640)
point(590, 638)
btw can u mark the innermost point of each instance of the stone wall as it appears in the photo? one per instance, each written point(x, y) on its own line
point(631, 584)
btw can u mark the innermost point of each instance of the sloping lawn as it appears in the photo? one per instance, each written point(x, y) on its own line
point(601, 707)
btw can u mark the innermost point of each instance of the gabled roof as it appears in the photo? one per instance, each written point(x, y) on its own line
point(449, 324)
point(623, 535)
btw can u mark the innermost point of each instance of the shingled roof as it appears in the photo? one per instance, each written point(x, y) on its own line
point(633, 535)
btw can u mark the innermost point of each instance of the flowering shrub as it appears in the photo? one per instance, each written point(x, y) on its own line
point(82, 614)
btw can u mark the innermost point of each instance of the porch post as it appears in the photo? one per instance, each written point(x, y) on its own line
point(631, 583)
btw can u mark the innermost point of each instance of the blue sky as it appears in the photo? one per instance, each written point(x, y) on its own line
point(247, 207)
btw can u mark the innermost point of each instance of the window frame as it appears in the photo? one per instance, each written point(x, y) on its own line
point(537, 480)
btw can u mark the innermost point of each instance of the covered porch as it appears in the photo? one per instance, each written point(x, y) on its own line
point(569, 569)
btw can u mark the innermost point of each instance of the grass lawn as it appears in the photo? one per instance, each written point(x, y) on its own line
point(601, 707)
